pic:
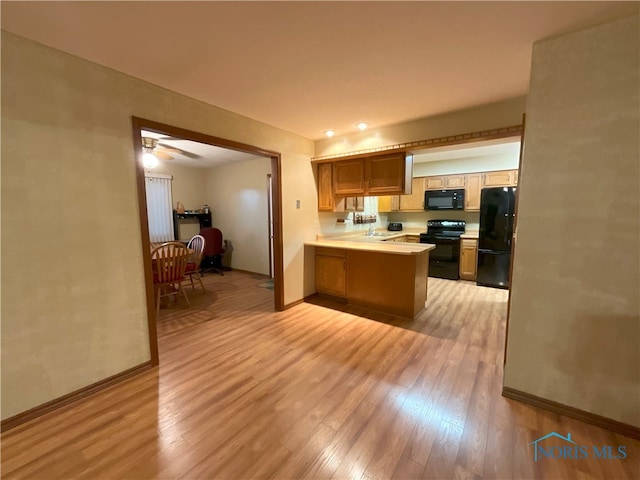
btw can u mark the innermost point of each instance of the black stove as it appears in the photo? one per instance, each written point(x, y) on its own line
point(444, 260)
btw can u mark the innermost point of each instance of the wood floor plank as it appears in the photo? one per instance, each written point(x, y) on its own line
point(322, 390)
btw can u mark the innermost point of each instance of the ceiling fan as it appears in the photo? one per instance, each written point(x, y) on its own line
point(160, 150)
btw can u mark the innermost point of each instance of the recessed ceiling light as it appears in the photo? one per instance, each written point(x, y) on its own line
point(329, 133)
point(362, 125)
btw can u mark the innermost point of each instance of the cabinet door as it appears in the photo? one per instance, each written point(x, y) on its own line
point(468, 259)
point(498, 179)
point(515, 177)
point(325, 187)
point(354, 204)
point(454, 181)
point(472, 192)
point(388, 203)
point(348, 177)
point(331, 274)
point(414, 201)
point(434, 183)
point(385, 174)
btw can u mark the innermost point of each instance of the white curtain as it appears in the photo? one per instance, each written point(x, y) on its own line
point(159, 207)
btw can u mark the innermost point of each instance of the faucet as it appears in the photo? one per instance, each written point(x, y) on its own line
point(370, 231)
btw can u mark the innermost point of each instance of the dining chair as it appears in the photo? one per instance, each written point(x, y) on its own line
point(196, 244)
point(169, 262)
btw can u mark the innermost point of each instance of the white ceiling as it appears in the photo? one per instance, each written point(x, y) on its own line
point(309, 66)
point(200, 155)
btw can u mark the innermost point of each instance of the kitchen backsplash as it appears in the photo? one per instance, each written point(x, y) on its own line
point(329, 221)
point(419, 219)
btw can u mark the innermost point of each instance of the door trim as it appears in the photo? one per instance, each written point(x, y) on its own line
point(139, 124)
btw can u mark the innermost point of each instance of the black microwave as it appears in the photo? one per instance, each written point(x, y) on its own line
point(444, 199)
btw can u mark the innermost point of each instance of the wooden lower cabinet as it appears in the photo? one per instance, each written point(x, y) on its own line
point(405, 238)
point(387, 281)
point(468, 258)
point(331, 271)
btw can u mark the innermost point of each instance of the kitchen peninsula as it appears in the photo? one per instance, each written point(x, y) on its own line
point(367, 271)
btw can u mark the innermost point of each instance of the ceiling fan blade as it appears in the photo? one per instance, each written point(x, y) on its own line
point(179, 150)
point(167, 148)
point(161, 154)
point(173, 139)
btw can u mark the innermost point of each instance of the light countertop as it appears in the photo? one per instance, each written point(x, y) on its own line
point(375, 243)
point(470, 234)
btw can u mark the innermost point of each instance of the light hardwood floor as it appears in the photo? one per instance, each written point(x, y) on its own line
point(312, 392)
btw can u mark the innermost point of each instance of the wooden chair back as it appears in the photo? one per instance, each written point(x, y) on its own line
point(169, 261)
point(197, 245)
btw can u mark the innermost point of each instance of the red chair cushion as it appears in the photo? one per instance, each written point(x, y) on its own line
point(191, 267)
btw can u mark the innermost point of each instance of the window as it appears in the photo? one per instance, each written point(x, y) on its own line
point(159, 207)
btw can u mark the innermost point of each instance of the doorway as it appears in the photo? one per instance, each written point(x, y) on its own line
point(140, 124)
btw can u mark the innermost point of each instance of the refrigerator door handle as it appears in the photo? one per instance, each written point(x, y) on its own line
point(506, 230)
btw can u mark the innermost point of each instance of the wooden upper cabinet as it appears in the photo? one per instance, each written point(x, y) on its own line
point(348, 177)
point(444, 182)
point(354, 204)
point(325, 187)
point(385, 174)
point(388, 203)
point(472, 192)
point(454, 181)
point(414, 201)
point(373, 175)
point(434, 183)
point(503, 178)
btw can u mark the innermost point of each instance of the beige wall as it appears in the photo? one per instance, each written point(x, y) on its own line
point(73, 301)
point(237, 195)
point(574, 331)
point(483, 117)
point(189, 186)
point(484, 163)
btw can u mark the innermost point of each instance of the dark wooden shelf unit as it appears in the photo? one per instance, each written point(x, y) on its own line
point(203, 218)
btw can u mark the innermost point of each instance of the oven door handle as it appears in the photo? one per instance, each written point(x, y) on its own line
point(442, 239)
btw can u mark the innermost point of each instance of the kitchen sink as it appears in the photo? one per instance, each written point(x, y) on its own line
point(380, 234)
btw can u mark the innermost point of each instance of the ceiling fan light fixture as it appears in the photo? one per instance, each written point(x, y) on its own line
point(149, 160)
point(149, 143)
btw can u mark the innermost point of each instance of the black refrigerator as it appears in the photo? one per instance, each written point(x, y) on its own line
point(497, 214)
